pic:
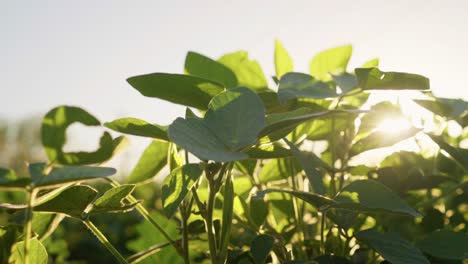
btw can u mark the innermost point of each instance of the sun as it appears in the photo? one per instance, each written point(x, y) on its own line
point(394, 125)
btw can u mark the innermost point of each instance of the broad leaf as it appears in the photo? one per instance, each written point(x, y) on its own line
point(151, 162)
point(373, 63)
point(248, 72)
point(316, 200)
point(445, 244)
point(177, 88)
point(460, 155)
point(138, 127)
point(37, 253)
point(331, 61)
point(300, 85)
point(380, 139)
point(283, 62)
point(177, 185)
point(374, 79)
point(372, 196)
point(278, 169)
point(313, 167)
point(260, 248)
point(392, 247)
point(9, 180)
point(452, 109)
point(231, 124)
point(53, 133)
point(272, 151)
point(204, 67)
point(67, 174)
point(72, 201)
point(113, 200)
point(346, 81)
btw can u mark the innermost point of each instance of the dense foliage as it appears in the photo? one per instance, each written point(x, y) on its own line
point(254, 174)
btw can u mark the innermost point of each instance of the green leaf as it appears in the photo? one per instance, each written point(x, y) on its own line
point(460, 155)
point(72, 201)
point(373, 63)
point(67, 174)
point(372, 196)
point(138, 127)
point(232, 123)
point(37, 253)
point(177, 185)
point(228, 211)
point(53, 133)
point(316, 200)
point(113, 200)
point(374, 79)
point(445, 244)
point(177, 88)
point(272, 104)
point(346, 81)
point(260, 248)
point(283, 62)
point(313, 167)
point(271, 151)
point(9, 180)
point(331, 61)
point(300, 85)
point(277, 169)
point(248, 72)
point(382, 111)
point(392, 247)
point(452, 109)
point(204, 67)
point(151, 162)
point(380, 139)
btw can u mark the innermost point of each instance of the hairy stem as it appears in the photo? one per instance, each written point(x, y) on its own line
point(104, 241)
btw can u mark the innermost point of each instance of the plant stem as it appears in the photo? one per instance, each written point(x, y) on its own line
point(142, 255)
point(28, 225)
point(322, 232)
point(209, 222)
point(104, 241)
point(145, 214)
point(185, 245)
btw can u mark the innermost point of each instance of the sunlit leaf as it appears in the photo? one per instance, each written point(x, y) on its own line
point(372, 196)
point(113, 200)
point(283, 62)
point(248, 72)
point(53, 132)
point(138, 127)
point(452, 109)
point(315, 200)
point(177, 185)
point(373, 63)
point(392, 247)
point(151, 162)
point(445, 244)
point(72, 201)
point(37, 253)
point(67, 174)
point(204, 67)
point(177, 88)
point(331, 61)
point(374, 79)
point(272, 151)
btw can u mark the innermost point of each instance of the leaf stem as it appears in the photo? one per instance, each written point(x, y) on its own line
point(104, 241)
point(28, 226)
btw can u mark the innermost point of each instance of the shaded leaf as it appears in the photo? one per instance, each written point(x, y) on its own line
point(445, 244)
point(67, 174)
point(283, 62)
point(315, 200)
point(374, 79)
point(260, 248)
point(113, 200)
point(300, 85)
point(37, 253)
point(272, 151)
point(204, 67)
point(138, 127)
point(248, 72)
point(330, 61)
point(72, 201)
point(312, 166)
point(460, 155)
point(53, 134)
point(177, 88)
point(346, 81)
point(392, 247)
point(177, 185)
point(372, 196)
point(151, 162)
point(452, 109)
point(9, 180)
point(231, 124)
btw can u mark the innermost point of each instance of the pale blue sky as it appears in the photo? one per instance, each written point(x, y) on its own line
point(81, 52)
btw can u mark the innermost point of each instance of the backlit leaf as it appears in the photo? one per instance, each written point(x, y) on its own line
point(283, 62)
point(204, 67)
point(151, 162)
point(138, 127)
point(37, 253)
point(331, 61)
point(374, 79)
